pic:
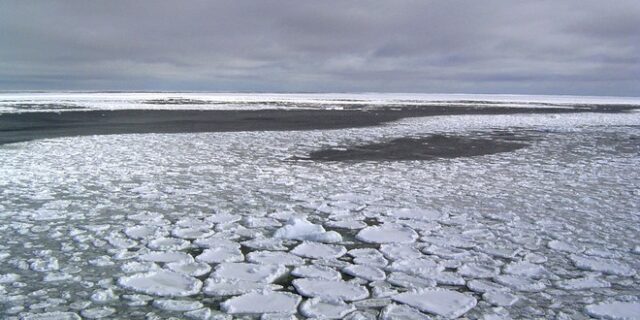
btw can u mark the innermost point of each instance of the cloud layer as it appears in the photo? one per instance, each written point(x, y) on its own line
point(554, 47)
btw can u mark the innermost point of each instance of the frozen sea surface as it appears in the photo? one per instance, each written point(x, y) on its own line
point(20, 102)
point(183, 225)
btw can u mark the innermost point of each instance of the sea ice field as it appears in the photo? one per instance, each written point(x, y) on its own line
point(238, 225)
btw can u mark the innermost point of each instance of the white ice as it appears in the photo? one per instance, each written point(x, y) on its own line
point(262, 302)
point(274, 257)
point(329, 289)
point(232, 287)
point(316, 271)
point(220, 254)
point(317, 308)
point(616, 310)
point(264, 273)
point(162, 283)
point(317, 250)
point(441, 302)
point(301, 229)
point(387, 233)
point(608, 266)
point(177, 305)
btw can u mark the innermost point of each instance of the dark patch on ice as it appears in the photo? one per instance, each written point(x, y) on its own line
point(194, 251)
point(44, 106)
point(286, 282)
point(246, 250)
point(422, 148)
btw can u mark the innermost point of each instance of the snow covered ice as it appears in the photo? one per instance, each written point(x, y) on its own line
point(212, 225)
point(162, 283)
point(442, 302)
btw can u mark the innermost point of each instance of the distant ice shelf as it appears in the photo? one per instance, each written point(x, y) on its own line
point(18, 102)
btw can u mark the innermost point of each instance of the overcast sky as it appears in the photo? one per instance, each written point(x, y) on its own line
point(546, 47)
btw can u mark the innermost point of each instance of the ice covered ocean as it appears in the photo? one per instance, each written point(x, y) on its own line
point(221, 225)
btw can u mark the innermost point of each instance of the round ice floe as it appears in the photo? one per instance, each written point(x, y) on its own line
point(317, 250)
point(397, 251)
point(45, 265)
point(368, 256)
point(455, 241)
point(445, 252)
point(416, 214)
point(260, 222)
point(274, 257)
point(194, 269)
point(395, 311)
point(365, 272)
point(476, 270)
point(223, 218)
point(501, 252)
point(327, 289)
point(177, 305)
point(603, 253)
point(500, 298)
point(205, 314)
point(102, 261)
point(265, 244)
point(262, 302)
point(135, 300)
point(535, 258)
point(315, 271)
point(194, 223)
point(98, 312)
point(145, 216)
point(607, 266)
point(220, 254)
point(441, 302)
point(165, 257)
point(564, 246)
point(346, 224)
point(334, 263)
point(445, 278)
point(301, 229)
point(227, 287)
point(374, 261)
point(525, 269)
point(162, 283)
point(519, 283)
point(387, 233)
point(168, 244)
point(137, 266)
point(615, 310)
point(215, 242)
point(482, 286)
point(9, 277)
point(402, 279)
point(122, 242)
point(325, 309)
point(124, 254)
point(419, 266)
point(364, 252)
point(143, 232)
point(191, 233)
point(583, 283)
point(103, 296)
point(383, 289)
point(56, 315)
point(265, 273)
point(58, 276)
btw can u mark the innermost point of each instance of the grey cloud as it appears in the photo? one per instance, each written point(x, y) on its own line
point(556, 47)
